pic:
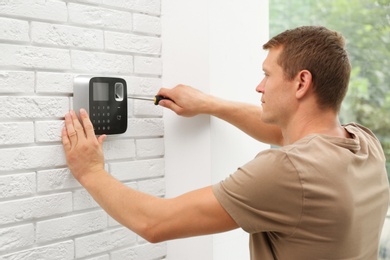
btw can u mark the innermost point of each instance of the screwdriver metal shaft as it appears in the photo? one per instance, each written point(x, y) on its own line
point(155, 100)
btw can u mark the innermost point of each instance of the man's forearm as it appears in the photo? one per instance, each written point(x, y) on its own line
point(188, 102)
point(246, 117)
point(158, 219)
point(129, 207)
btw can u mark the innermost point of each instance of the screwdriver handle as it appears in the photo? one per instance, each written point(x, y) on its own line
point(158, 98)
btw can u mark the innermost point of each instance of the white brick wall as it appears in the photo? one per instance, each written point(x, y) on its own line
point(44, 211)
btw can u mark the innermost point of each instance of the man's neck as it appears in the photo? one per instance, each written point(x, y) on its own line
point(321, 122)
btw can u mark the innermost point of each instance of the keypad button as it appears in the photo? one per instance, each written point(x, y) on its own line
point(102, 117)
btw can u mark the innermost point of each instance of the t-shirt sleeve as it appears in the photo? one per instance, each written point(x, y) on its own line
point(265, 195)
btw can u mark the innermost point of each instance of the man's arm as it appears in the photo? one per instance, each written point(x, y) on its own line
point(189, 102)
point(156, 219)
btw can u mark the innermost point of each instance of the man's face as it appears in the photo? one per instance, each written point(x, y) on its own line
point(278, 95)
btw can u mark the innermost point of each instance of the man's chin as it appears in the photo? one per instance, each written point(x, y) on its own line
point(268, 120)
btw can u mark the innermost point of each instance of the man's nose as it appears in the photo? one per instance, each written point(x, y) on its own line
point(261, 87)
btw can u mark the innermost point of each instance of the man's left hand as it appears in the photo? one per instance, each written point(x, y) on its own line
point(83, 150)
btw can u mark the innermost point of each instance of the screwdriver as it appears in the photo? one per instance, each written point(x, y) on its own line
point(155, 100)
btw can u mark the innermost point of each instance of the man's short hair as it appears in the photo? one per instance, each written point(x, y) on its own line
point(320, 51)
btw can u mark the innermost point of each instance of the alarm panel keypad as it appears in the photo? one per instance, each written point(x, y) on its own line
point(107, 112)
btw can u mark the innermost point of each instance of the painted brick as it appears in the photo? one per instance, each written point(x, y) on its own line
point(96, 62)
point(143, 127)
point(64, 35)
point(14, 30)
point(82, 200)
point(103, 257)
point(33, 107)
point(147, 65)
point(16, 237)
point(94, 2)
point(53, 10)
point(44, 211)
point(104, 241)
point(66, 227)
point(113, 223)
point(142, 252)
point(118, 149)
point(35, 207)
point(147, 24)
point(17, 81)
point(132, 43)
point(49, 131)
point(12, 186)
point(154, 187)
point(16, 133)
point(143, 85)
point(34, 57)
point(99, 17)
point(146, 109)
point(57, 179)
point(147, 6)
point(25, 158)
point(150, 147)
point(125, 171)
point(130, 108)
point(60, 251)
point(50, 82)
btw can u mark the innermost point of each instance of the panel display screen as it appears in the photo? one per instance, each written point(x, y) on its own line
point(100, 91)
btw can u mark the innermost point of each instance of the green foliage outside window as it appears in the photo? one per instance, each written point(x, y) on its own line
point(366, 26)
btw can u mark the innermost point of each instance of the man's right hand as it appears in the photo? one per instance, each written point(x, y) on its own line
point(186, 101)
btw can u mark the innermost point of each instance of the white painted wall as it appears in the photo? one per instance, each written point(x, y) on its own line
point(187, 141)
point(237, 32)
point(215, 46)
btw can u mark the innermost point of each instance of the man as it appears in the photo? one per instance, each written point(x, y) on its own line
point(322, 195)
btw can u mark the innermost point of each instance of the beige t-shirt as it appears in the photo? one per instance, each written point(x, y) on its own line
point(322, 197)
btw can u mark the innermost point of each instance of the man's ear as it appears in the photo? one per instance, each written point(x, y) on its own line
point(304, 85)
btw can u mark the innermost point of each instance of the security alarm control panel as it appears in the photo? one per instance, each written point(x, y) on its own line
point(105, 99)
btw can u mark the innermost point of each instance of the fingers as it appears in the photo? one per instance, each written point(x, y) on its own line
point(88, 127)
point(70, 130)
point(65, 139)
point(170, 105)
point(77, 125)
point(74, 131)
point(164, 92)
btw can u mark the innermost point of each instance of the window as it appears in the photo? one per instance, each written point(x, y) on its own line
point(366, 26)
